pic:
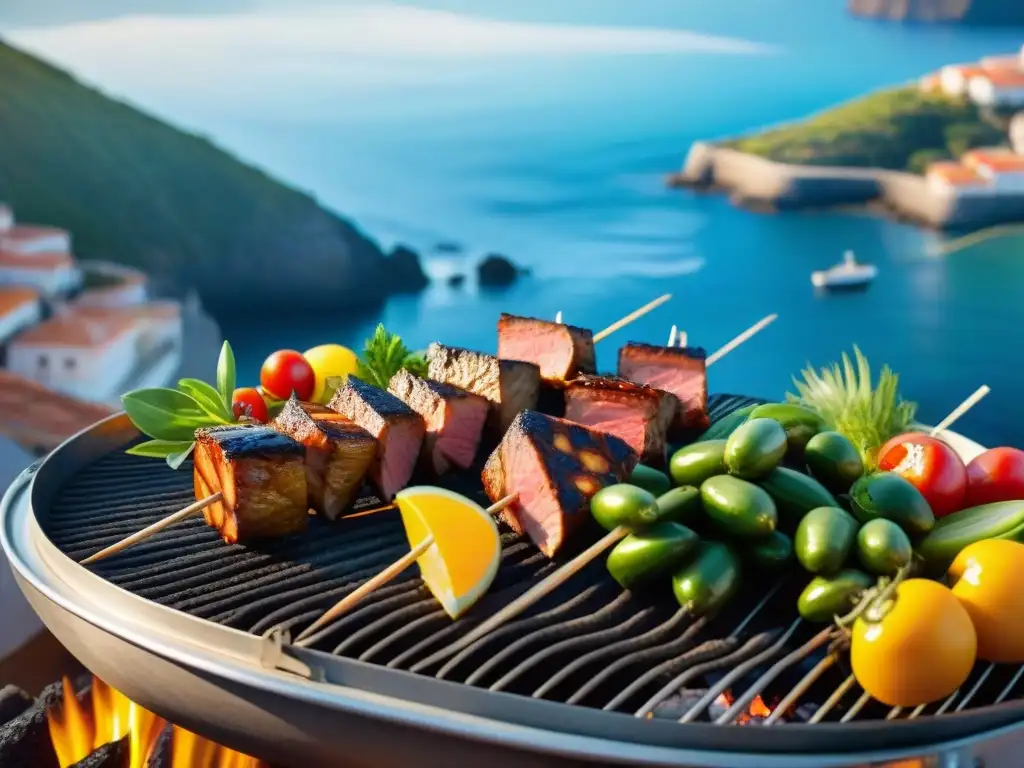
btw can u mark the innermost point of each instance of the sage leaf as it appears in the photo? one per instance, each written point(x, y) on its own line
point(159, 449)
point(175, 460)
point(226, 374)
point(209, 399)
point(165, 414)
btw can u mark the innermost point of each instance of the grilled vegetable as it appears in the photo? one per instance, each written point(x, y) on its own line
point(624, 504)
point(801, 424)
point(681, 505)
point(834, 461)
point(931, 466)
point(709, 580)
point(995, 475)
point(845, 399)
point(737, 507)
point(915, 649)
point(824, 539)
point(755, 448)
point(993, 595)
point(883, 547)
point(795, 494)
point(651, 552)
point(725, 426)
point(650, 479)
point(287, 371)
point(884, 494)
point(827, 597)
point(953, 533)
point(773, 552)
point(695, 463)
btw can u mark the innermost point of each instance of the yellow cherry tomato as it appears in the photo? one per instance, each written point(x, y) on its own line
point(329, 361)
point(988, 580)
point(919, 651)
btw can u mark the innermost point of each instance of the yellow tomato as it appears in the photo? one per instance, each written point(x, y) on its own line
point(918, 652)
point(988, 580)
point(329, 361)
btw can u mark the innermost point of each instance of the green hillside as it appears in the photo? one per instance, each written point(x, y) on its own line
point(135, 190)
point(897, 128)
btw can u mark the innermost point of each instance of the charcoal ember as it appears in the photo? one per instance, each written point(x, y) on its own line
point(13, 702)
point(113, 755)
point(160, 755)
point(25, 740)
point(717, 708)
point(804, 713)
point(678, 704)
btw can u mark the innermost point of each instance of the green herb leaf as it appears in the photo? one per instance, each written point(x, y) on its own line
point(175, 460)
point(165, 414)
point(209, 399)
point(843, 396)
point(384, 355)
point(226, 374)
point(159, 449)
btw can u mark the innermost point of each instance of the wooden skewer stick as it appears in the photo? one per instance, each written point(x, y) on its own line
point(631, 317)
point(592, 552)
point(558, 317)
point(388, 574)
point(961, 409)
point(681, 339)
point(672, 336)
point(156, 527)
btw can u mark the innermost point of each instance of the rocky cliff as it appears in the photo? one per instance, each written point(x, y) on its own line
point(982, 12)
point(135, 190)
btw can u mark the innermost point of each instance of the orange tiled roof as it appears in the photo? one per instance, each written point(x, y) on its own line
point(955, 174)
point(44, 262)
point(1005, 78)
point(151, 310)
point(75, 329)
point(34, 416)
point(26, 232)
point(15, 298)
point(967, 70)
point(996, 160)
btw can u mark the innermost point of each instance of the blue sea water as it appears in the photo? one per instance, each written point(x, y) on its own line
point(545, 134)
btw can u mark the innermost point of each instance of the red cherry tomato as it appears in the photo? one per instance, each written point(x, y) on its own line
point(287, 371)
point(932, 466)
point(995, 475)
point(247, 401)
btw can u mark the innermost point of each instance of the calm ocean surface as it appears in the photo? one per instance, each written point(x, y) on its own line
point(544, 133)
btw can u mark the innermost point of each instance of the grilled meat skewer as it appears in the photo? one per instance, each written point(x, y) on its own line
point(681, 371)
point(560, 351)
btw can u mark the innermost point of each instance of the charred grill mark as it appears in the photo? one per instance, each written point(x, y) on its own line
point(249, 441)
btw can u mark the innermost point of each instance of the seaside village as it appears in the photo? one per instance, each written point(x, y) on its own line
point(996, 83)
point(73, 337)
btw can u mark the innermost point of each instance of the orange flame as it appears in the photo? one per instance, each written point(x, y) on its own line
point(77, 733)
point(756, 709)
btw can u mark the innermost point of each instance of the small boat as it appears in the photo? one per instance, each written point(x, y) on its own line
point(849, 274)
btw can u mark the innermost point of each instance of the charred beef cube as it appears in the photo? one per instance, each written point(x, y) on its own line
point(262, 477)
point(339, 453)
point(398, 429)
point(679, 370)
point(454, 419)
point(560, 351)
point(638, 414)
point(554, 467)
point(510, 386)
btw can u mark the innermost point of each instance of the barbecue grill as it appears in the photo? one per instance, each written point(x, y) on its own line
point(197, 631)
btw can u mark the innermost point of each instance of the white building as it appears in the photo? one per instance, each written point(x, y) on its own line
point(1017, 133)
point(159, 322)
point(51, 274)
point(28, 239)
point(1002, 168)
point(6, 218)
point(997, 88)
point(128, 293)
point(954, 78)
point(20, 308)
point(85, 357)
point(953, 179)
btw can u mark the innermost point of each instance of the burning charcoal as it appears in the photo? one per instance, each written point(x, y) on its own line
point(803, 713)
point(718, 707)
point(25, 740)
point(160, 756)
point(113, 755)
point(13, 701)
point(677, 705)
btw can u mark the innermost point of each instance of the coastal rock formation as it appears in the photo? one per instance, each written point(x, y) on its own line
point(497, 271)
point(980, 12)
point(405, 272)
point(177, 206)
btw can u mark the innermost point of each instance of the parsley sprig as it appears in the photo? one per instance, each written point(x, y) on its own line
point(384, 355)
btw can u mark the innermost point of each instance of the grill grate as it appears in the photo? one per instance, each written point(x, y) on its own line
point(588, 643)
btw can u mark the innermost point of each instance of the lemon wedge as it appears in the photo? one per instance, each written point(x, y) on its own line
point(460, 565)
